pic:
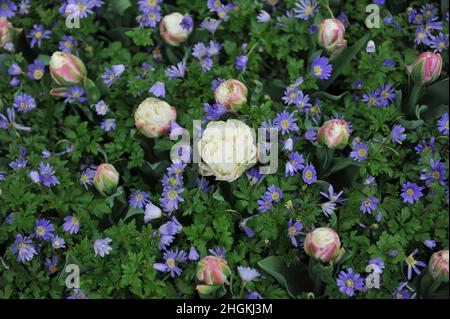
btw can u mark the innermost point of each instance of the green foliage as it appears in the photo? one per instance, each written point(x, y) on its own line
point(225, 215)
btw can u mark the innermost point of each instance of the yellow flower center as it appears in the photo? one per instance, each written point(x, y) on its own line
point(362, 152)
point(172, 181)
point(40, 231)
point(38, 74)
point(441, 45)
point(75, 221)
point(172, 195)
point(284, 124)
point(275, 195)
point(38, 35)
point(367, 202)
point(436, 174)
point(308, 10)
point(409, 191)
point(410, 261)
point(171, 263)
point(67, 44)
point(309, 174)
point(421, 35)
point(350, 283)
point(23, 105)
point(385, 94)
point(317, 70)
point(139, 197)
point(5, 5)
point(292, 230)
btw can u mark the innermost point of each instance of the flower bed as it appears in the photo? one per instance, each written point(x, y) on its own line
point(213, 149)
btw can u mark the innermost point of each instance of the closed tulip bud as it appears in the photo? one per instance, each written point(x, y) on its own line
point(5, 31)
point(334, 134)
point(232, 94)
point(426, 69)
point(67, 69)
point(106, 179)
point(171, 29)
point(438, 266)
point(213, 270)
point(331, 36)
point(323, 244)
point(154, 117)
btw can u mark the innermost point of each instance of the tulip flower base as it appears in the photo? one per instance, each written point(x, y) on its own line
point(224, 149)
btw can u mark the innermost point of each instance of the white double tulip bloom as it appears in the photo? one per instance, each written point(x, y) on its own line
point(227, 150)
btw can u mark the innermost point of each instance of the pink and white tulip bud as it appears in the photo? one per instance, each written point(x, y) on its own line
point(323, 244)
point(232, 94)
point(106, 179)
point(334, 134)
point(331, 36)
point(5, 31)
point(154, 117)
point(213, 270)
point(438, 266)
point(426, 69)
point(67, 69)
point(171, 30)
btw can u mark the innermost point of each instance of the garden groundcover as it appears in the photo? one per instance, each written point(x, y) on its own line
point(224, 149)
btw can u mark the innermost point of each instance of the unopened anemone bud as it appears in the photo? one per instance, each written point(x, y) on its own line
point(438, 266)
point(213, 270)
point(323, 244)
point(5, 31)
point(172, 30)
point(334, 134)
point(154, 117)
point(67, 69)
point(106, 179)
point(426, 68)
point(232, 94)
point(331, 36)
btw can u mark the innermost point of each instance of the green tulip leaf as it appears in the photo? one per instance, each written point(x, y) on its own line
point(294, 279)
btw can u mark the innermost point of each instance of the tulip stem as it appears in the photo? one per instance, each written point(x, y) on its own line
point(433, 287)
point(327, 5)
point(413, 99)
